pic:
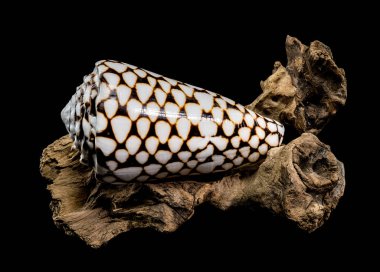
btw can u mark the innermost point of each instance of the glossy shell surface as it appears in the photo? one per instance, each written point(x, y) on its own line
point(131, 124)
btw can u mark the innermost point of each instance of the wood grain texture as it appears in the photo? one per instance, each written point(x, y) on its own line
point(306, 93)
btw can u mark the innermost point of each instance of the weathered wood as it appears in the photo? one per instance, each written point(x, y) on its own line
point(308, 92)
point(302, 181)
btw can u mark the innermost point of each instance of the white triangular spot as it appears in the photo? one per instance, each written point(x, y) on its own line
point(175, 143)
point(152, 169)
point(188, 90)
point(134, 108)
point(106, 145)
point(205, 100)
point(110, 107)
point(121, 126)
point(227, 166)
point(142, 157)
point(228, 127)
point(263, 149)
point(244, 151)
point(174, 167)
point(192, 163)
point(197, 143)
point(151, 144)
point(230, 101)
point(104, 93)
point(204, 154)
point(185, 171)
point(254, 141)
point(281, 129)
point(240, 107)
point(123, 93)
point(131, 66)
point(179, 97)
point(162, 131)
point(133, 144)
point(152, 111)
point(220, 142)
point(112, 79)
point(130, 78)
point(235, 115)
point(143, 178)
point(112, 165)
point(272, 139)
point(117, 66)
point(244, 133)
point(160, 96)
point(152, 81)
point(272, 127)
point(94, 93)
point(102, 69)
point(121, 155)
point(193, 112)
point(108, 179)
point(144, 91)
point(183, 127)
point(254, 157)
point(143, 125)
point(238, 161)
point(235, 141)
point(129, 173)
point(230, 153)
point(260, 132)
point(221, 103)
point(211, 93)
point(172, 82)
point(218, 159)
point(207, 128)
point(162, 175)
point(217, 115)
point(164, 85)
point(140, 73)
point(101, 122)
point(163, 156)
point(252, 113)
point(153, 74)
point(260, 120)
point(184, 155)
point(207, 167)
point(249, 120)
point(171, 112)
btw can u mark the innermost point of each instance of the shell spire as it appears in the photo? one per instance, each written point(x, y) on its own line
point(131, 124)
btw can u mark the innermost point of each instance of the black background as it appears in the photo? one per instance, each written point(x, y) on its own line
point(228, 54)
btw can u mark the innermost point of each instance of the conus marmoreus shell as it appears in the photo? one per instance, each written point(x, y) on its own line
point(131, 124)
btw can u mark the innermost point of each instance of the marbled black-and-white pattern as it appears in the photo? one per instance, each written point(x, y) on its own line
point(134, 125)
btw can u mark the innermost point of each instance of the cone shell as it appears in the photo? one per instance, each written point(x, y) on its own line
point(132, 125)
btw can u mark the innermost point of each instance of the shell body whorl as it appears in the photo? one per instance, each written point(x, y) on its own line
point(134, 125)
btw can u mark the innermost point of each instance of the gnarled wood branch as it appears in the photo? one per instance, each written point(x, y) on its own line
point(302, 181)
point(308, 92)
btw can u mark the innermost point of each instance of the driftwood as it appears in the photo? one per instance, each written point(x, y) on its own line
point(308, 92)
point(301, 180)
